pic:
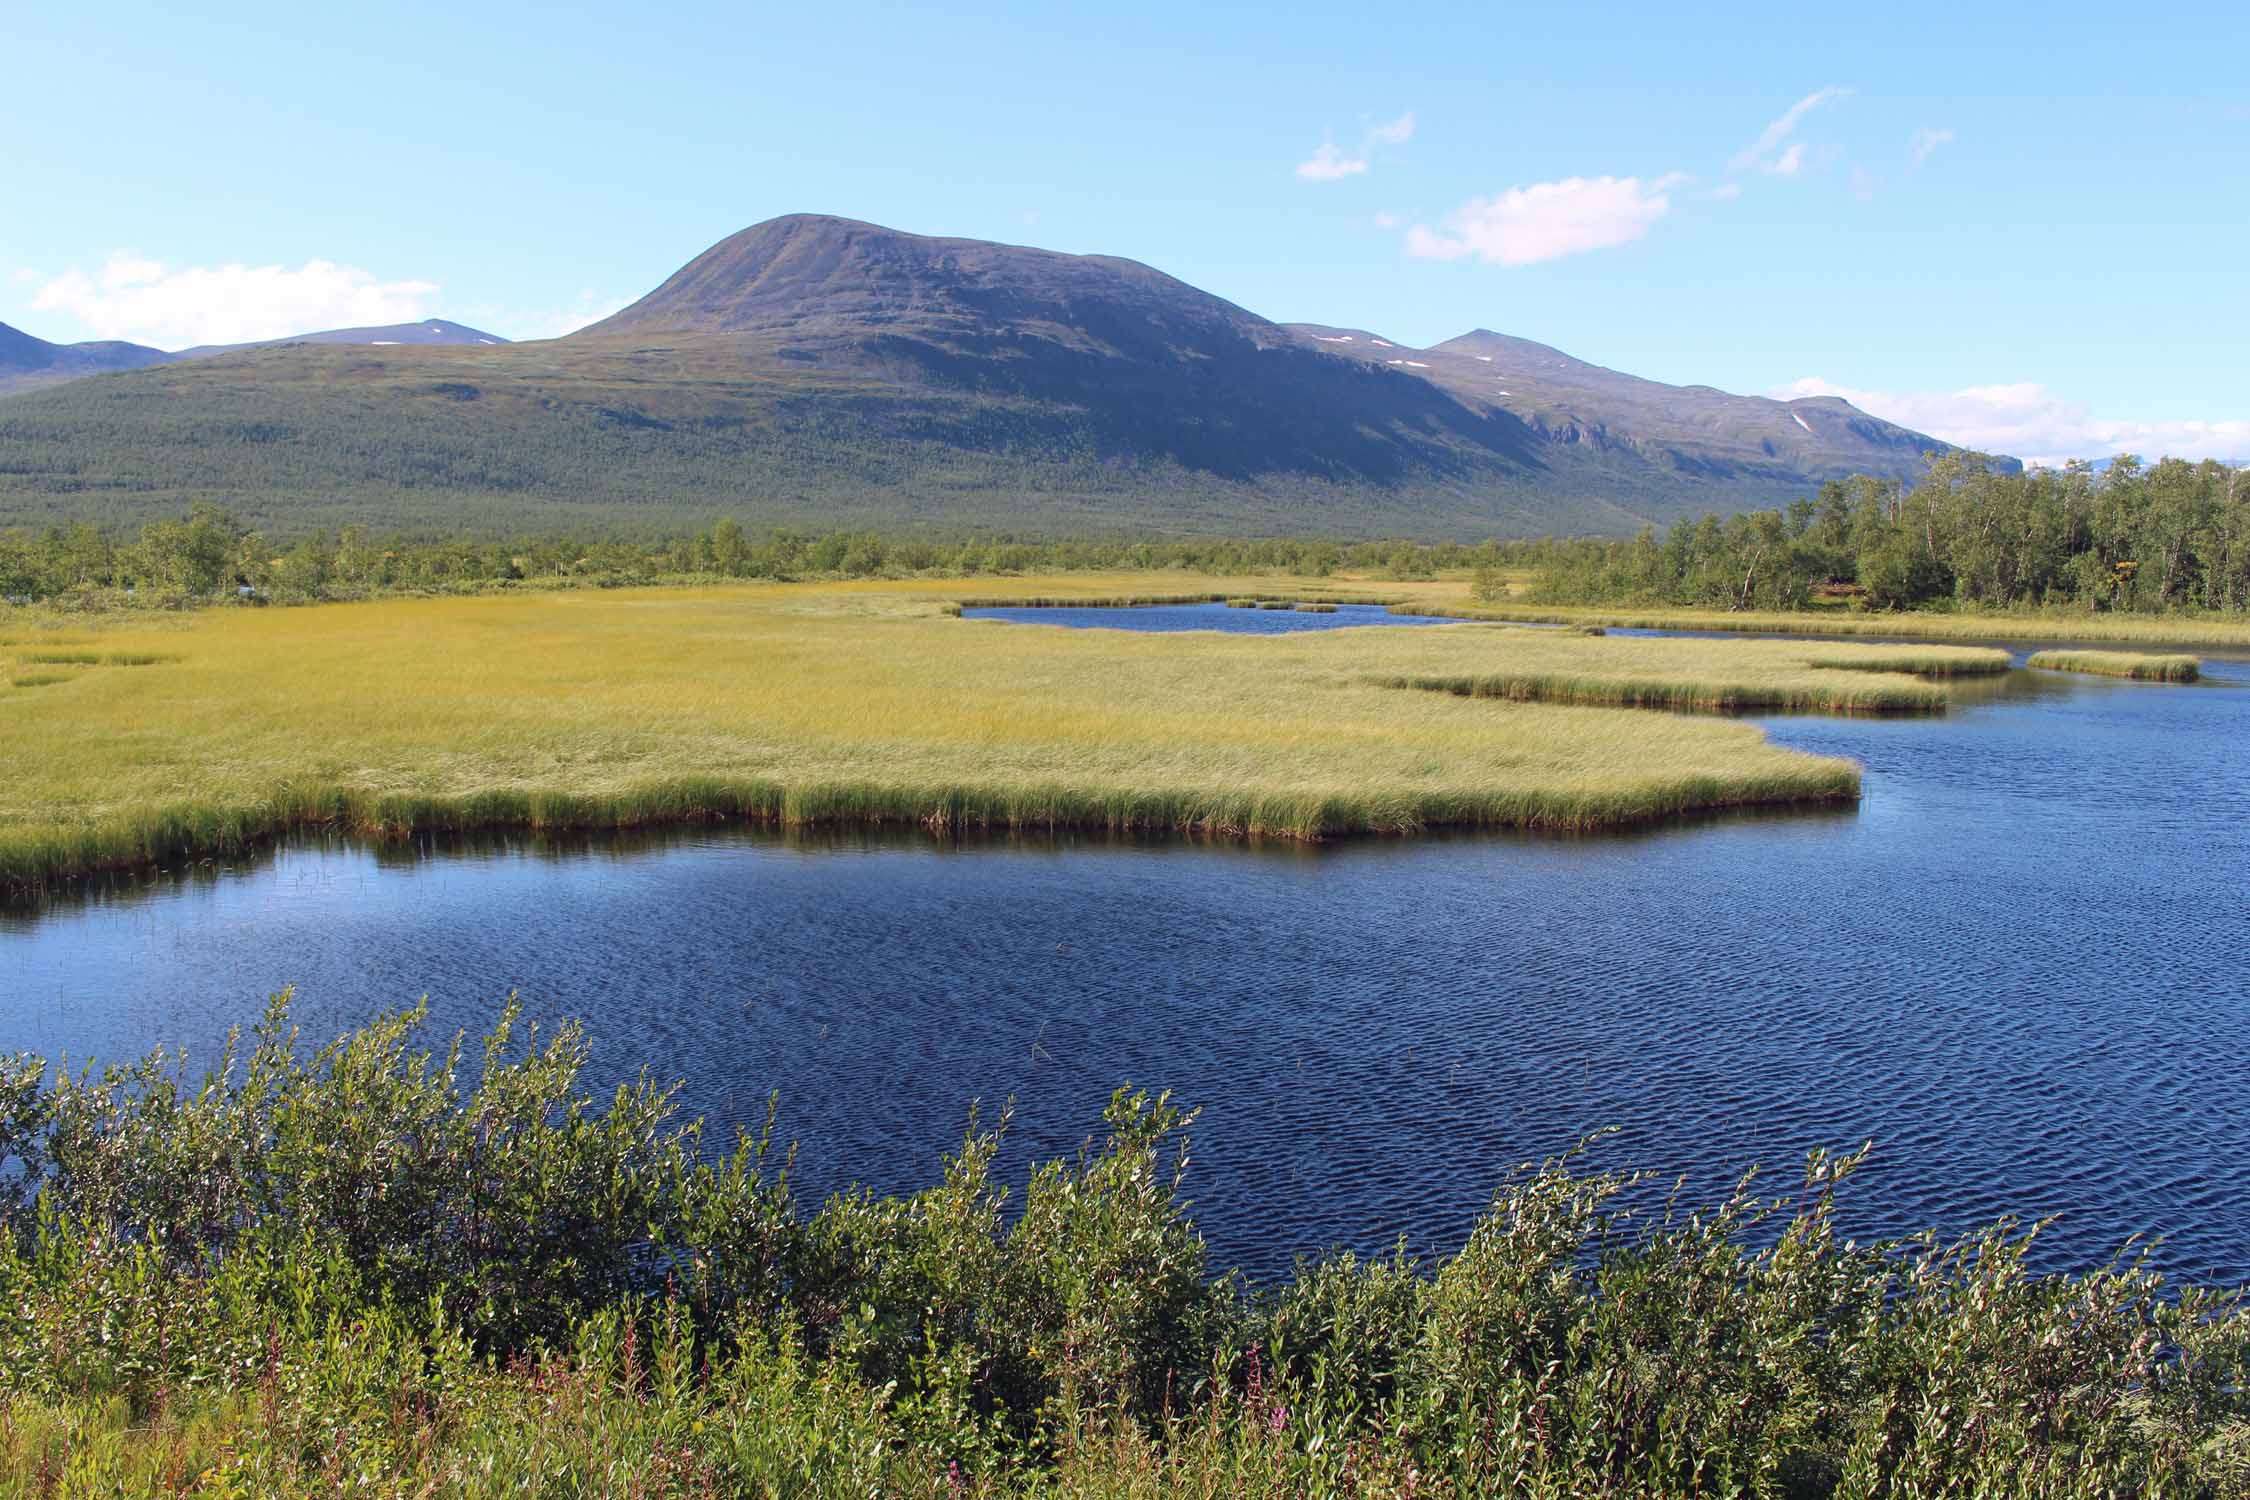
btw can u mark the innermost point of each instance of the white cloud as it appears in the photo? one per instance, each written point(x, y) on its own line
point(2027, 421)
point(149, 302)
point(1394, 132)
point(1386, 220)
point(1788, 163)
point(1727, 191)
point(1547, 220)
point(1758, 151)
point(1329, 162)
point(1927, 140)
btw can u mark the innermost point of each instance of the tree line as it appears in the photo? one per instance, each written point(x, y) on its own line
point(2145, 539)
point(208, 553)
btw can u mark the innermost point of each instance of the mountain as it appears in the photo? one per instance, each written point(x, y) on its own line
point(27, 362)
point(428, 331)
point(820, 371)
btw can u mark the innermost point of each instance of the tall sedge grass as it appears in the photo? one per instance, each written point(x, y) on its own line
point(2132, 664)
point(812, 704)
point(1979, 626)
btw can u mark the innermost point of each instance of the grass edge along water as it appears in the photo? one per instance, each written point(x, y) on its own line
point(2140, 666)
point(632, 708)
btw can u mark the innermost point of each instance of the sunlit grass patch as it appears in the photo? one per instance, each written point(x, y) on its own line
point(811, 704)
point(1979, 626)
point(1938, 661)
point(2135, 664)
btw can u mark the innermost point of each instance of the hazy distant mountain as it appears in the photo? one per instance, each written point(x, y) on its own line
point(815, 370)
point(27, 362)
point(428, 331)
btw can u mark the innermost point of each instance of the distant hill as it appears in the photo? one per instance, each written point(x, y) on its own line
point(27, 363)
point(815, 370)
point(428, 331)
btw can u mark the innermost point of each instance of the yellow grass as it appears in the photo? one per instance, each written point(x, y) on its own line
point(2168, 630)
point(859, 702)
point(2136, 664)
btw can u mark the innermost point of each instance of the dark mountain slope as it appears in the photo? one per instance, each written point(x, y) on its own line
point(819, 371)
point(27, 363)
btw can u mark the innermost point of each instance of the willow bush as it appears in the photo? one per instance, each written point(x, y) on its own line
point(382, 1268)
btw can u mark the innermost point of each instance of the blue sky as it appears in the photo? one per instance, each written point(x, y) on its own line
point(2022, 226)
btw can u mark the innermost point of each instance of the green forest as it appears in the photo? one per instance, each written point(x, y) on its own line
point(2171, 536)
point(210, 553)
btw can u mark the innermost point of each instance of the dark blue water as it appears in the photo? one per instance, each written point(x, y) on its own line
point(2022, 967)
point(1168, 617)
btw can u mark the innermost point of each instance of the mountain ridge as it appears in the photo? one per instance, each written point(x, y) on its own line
point(811, 367)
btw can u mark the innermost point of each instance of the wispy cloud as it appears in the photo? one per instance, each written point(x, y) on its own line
point(1330, 161)
point(2028, 421)
point(1394, 132)
point(148, 302)
point(1548, 220)
point(1927, 140)
point(1762, 152)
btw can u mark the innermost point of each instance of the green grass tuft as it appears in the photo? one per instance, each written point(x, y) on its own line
point(2134, 664)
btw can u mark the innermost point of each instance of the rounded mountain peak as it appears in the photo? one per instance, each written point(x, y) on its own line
point(816, 273)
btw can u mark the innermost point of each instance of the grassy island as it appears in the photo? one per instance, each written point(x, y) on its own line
point(2135, 664)
point(390, 1271)
point(871, 702)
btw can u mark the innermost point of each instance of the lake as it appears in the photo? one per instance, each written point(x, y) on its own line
point(1173, 617)
point(2019, 966)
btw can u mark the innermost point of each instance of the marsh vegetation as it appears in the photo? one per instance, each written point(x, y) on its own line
point(2134, 664)
point(403, 1270)
point(866, 703)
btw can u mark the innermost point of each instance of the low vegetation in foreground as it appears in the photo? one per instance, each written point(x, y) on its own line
point(2133, 664)
point(382, 1270)
point(868, 703)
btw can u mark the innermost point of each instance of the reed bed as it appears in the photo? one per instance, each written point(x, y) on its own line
point(2140, 666)
point(2149, 629)
point(837, 704)
point(1685, 696)
point(1316, 609)
point(1938, 661)
point(1544, 667)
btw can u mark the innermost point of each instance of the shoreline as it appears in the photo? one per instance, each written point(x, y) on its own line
point(36, 866)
